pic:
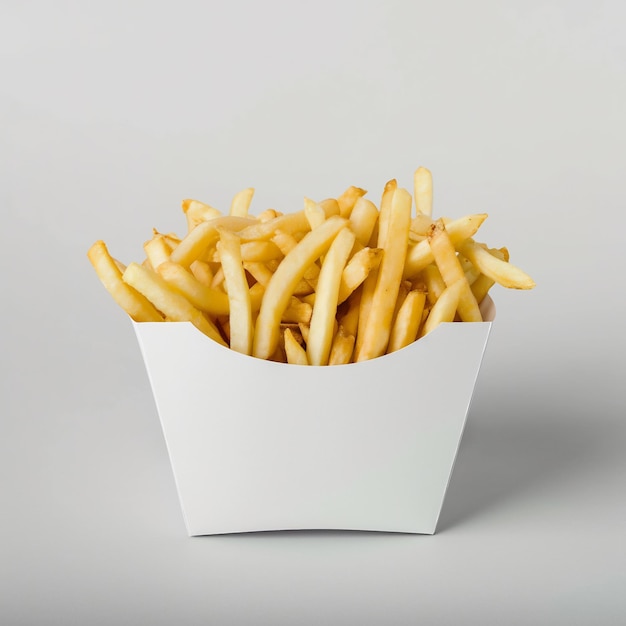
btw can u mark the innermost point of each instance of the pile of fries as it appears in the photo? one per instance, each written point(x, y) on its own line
point(341, 281)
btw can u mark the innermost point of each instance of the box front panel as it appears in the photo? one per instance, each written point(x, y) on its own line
point(256, 445)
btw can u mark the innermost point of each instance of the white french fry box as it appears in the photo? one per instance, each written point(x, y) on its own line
point(257, 445)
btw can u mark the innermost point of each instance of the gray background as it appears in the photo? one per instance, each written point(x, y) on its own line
point(113, 112)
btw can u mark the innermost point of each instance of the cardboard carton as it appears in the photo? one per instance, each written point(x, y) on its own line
point(257, 445)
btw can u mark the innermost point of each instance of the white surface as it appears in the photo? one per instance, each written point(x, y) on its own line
point(112, 112)
point(279, 447)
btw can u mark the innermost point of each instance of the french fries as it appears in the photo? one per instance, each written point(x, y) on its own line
point(284, 281)
point(111, 275)
point(396, 236)
point(326, 297)
point(240, 304)
point(338, 282)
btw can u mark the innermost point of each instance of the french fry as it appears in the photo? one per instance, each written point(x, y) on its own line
point(296, 355)
point(330, 206)
point(423, 190)
point(435, 284)
point(325, 309)
point(279, 355)
point(241, 202)
point(257, 291)
point(342, 347)
point(157, 250)
point(240, 318)
point(284, 280)
point(295, 331)
point(223, 326)
point(363, 218)
point(500, 253)
point(171, 239)
point(420, 255)
point(349, 319)
point(218, 278)
point(204, 235)
point(502, 272)
point(289, 223)
point(304, 331)
point(203, 297)
point(369, 284)
point(420, 225)
point(403, 292)
point(202, 272)
point(286, 242)
point(254, 251)
point(482, 285)
point(357, 270)
point(260, 251)
point(385, 211)
point(268, 214)
point(197, 212)
point(444, 309)
point(297, 312)
point(470, 270)
point(378, 324)
point(314, 213)
point(259, 271)
point(110, 274)
point(348, 199)
point(408, 320)
point(309, 298)
point(452, 272)
point(175, 307)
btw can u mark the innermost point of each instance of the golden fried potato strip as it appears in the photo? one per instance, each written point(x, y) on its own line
point(110, 274)
point(157, 250)
point(420, 255)
point(202, 272)
point(325, 308)
point(444, 309)
point(254, 251)
point(500, 271)
point(297, 312)
point(408, 320)
point(341, 351)
point(296, 355)
point(205, 298)
point(175, 307)
point(330, 207)
point(452, 272)
point(377, 328)
point(204, 235)
point(290, 223)
point(197, 212)
point(240, 317)
point(348, 199)
point(482, 285)
point(314, 213)
point(363, 220)
point(241, 202)
point(423, 190)
point(357, 270)
point(284, 281)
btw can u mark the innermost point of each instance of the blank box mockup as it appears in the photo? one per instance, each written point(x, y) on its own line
point(257, 445)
